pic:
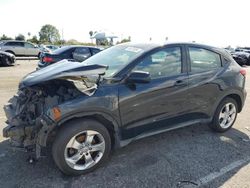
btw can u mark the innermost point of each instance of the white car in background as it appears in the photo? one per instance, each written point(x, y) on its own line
point(20, 48)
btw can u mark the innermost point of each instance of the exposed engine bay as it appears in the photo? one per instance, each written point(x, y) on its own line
point(25, 111)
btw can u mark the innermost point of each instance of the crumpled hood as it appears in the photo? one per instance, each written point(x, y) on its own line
point(62, 69)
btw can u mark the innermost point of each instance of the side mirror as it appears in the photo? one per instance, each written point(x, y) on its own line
point(139, 77)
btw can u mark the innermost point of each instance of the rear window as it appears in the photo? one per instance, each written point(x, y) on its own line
point(203, 60)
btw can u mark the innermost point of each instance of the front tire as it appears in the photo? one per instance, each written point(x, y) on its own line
point(225, 115)
point(81, 146)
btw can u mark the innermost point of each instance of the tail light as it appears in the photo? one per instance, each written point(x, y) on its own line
point(243, 72)
point(47, 59)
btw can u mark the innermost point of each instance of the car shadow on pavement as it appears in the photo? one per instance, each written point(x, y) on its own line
point(179, 158)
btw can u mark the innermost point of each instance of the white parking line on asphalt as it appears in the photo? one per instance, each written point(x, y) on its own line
point(210, 177)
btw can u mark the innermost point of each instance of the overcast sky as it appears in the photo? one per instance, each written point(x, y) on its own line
point(214, 22)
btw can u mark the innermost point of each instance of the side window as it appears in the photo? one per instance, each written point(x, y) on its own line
point(7, 44)
point(16, 44)
point(203, 60)
point(28, 45)
point(163, 63)
point(82, 51)
point(68, 53)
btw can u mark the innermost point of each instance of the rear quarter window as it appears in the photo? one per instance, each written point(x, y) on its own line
point(203, 59)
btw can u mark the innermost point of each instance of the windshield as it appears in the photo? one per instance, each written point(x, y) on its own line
point(115, 58)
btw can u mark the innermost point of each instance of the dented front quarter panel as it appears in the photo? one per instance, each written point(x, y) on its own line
point(33, 136)
point(103, 102)
point(29, 129)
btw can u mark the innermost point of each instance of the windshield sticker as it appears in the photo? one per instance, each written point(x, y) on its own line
point(133, 49)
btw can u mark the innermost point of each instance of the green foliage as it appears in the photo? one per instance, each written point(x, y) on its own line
point(49, 33)
point(34, 40)
point(102, 42)
point(75, 42)
point(4, 37)
point(91, 33)
point(125, 40)
point(20, 37)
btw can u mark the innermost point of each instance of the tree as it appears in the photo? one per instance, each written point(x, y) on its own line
point(49, 33)
point(4, 37)
point(20, 37)
point(29, 34)
point(91, 33)
point(102, 42)
point(126, 40)
point(34, 40)
point(73, 42)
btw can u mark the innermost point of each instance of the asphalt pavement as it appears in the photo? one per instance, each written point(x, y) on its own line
point(189, 157)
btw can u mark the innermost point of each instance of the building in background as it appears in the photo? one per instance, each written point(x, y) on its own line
point(103, 38)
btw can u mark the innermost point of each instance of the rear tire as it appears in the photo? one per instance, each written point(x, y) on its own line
point(225, 115)
point(81, 146)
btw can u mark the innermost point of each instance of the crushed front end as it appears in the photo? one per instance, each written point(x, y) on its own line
point(33, 112)
point(26, 112)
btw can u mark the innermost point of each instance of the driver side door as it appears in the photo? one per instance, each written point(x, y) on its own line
point(147, 107)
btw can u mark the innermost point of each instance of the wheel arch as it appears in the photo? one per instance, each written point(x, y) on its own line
point(236, 95)
point(106, 120)
point(10, 51)
point(237, 99)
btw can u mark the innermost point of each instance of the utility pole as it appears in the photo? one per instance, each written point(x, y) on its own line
point(62, 38)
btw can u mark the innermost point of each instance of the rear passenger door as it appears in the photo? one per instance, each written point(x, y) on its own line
point(205, 66)
point(30, 49)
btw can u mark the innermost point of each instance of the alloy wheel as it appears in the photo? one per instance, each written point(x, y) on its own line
point(227, 115)
point(84, 150)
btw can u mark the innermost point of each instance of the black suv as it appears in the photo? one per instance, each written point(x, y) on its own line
point(121, 94)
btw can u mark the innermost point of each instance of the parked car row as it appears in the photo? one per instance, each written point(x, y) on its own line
point(241, 55)
point(47, 54)
point(242, 58)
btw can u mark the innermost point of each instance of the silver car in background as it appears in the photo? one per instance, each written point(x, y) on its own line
point(20, 48)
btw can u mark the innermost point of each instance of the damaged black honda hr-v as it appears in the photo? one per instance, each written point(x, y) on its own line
point(121, 94)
